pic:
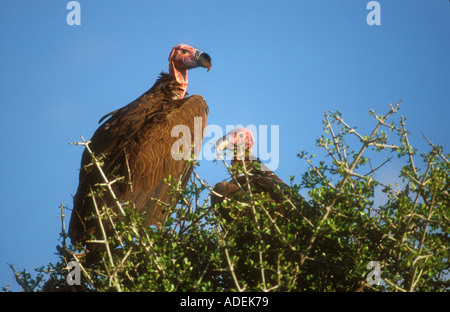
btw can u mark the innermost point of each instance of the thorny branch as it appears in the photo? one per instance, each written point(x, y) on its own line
point(403, 229)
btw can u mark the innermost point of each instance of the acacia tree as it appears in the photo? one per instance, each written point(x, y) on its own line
point(340, 240)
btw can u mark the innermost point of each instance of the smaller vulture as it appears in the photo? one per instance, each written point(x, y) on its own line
point(261, 179)
point(135, 142)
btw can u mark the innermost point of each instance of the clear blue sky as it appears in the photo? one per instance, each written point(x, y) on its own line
point(274, 63)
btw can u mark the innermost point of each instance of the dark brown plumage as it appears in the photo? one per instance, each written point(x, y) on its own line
point(135, 142)
point(259, 179)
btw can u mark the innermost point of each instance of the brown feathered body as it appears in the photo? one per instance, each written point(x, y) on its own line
point(259, 177)
point(135, 143)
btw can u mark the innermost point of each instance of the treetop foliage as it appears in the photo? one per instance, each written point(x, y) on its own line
point(353, 231)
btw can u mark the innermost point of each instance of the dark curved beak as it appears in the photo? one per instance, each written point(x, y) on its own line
point(222, 144)
point(203, 60)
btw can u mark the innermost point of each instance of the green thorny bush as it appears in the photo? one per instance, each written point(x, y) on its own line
point(340, 242)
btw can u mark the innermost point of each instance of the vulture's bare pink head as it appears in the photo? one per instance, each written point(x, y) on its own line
point(240, 141)
point(184, 57)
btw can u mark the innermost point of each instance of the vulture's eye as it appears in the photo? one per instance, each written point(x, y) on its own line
point(183, 51)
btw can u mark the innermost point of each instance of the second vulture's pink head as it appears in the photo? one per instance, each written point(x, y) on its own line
point(184, 57)
point(240, 141)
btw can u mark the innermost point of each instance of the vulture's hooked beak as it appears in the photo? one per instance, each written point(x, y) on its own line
point(222, 144)
point(203, 60)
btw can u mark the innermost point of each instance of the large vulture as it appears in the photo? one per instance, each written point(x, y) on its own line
point(135, 142)
point(261, 179)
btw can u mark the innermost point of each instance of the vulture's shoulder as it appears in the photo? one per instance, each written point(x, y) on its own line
point(196, 103)
point(142, 117)
point(221, 190)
